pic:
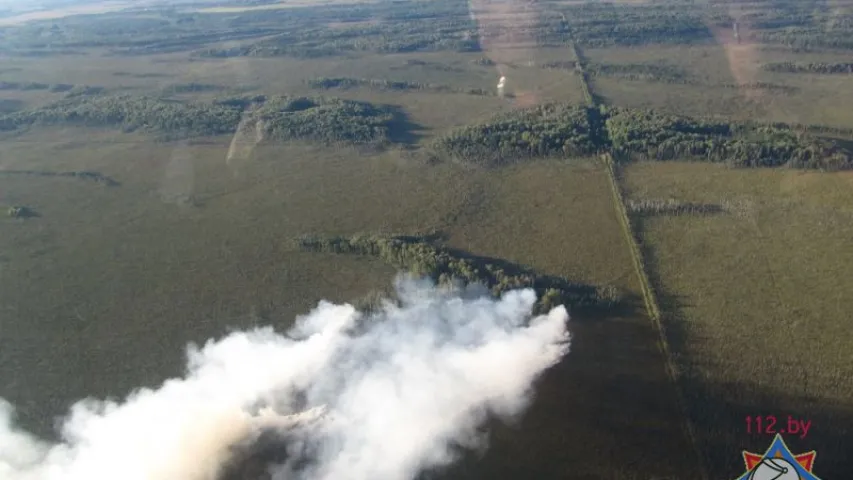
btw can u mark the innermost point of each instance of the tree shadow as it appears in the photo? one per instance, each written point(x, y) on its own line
point(402, 130)
point(845, 143)
point(671, 305)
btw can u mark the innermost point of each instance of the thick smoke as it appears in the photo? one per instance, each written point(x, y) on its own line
point(356, 396)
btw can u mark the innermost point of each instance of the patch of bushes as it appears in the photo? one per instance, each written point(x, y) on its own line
point(82, 175)
point(23, 86)
point(818, 68)
point(672, 207)
point(560, 65)
point(19, 211)
point(641, 71)
point(190, 88)
point(484, 61)
point(349, 82)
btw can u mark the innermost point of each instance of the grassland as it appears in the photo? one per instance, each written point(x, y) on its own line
point(728, 81)
point(755, 300)
point(150, 293)
point(100, 293)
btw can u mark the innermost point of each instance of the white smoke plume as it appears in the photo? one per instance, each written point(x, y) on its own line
point(379, 396)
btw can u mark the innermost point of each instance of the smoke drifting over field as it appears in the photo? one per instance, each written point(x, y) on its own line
point(343, 395)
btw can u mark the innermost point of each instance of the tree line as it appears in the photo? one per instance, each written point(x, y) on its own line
point(96, 177)
point(325, 119)
point(819, 68)
point(70, 90)
point(421, 256)
point(641, 71)
point(807, 39)
point(649, 207)
point(559, 65)
point(130, 113)
point(570, 131)
point(327, 83)
point(767, 86)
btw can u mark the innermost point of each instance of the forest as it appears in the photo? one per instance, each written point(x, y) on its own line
point(562, 130)
point(656, 136)
point(324, 119)
point(421, 255)
point(440, 25)
point(568, 131)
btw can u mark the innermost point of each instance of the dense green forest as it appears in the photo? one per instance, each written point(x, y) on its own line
point(129, 113)
point(657, 136)
point(324, 119)
point(563, 130)
point(555, 130)
point(820, 68)
point(422, 256)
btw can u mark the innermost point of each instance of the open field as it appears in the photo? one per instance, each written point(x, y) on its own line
point(755, 300)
